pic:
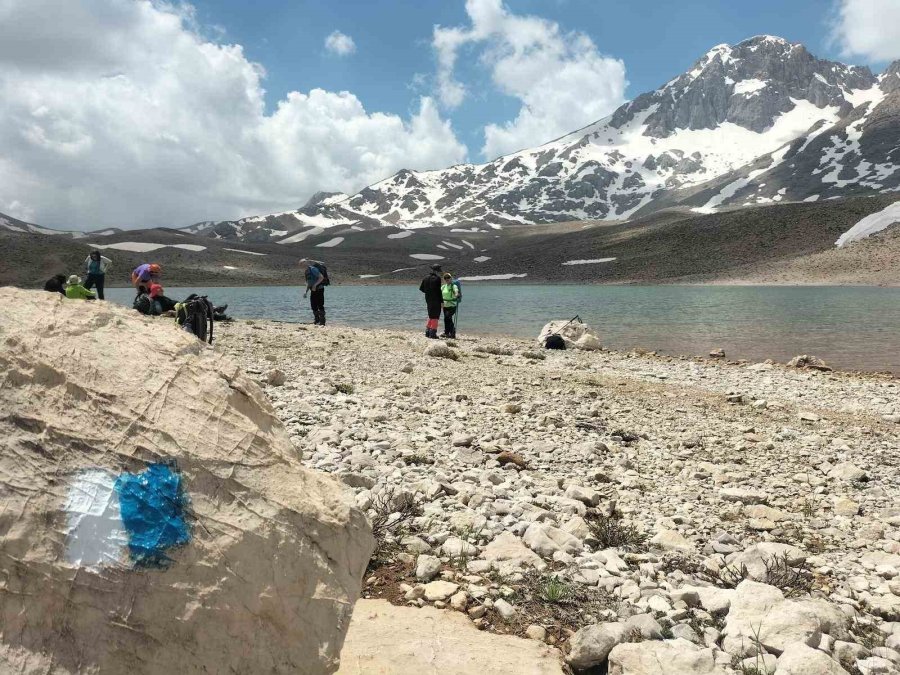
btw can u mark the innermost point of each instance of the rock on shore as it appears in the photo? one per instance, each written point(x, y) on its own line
point(155, 516)
point(702, 514)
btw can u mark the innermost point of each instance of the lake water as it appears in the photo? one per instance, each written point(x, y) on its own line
point(852, 328)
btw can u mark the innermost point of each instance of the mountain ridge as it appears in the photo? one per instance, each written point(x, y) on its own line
point(761, 121)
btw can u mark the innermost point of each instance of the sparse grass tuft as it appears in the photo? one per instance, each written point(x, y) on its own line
point(417, 459)
point(491, 349)
point(867, 634)
point(554, 590)
point(791, 580)
point(344, 388)
point(611, 531)
point(393, 510)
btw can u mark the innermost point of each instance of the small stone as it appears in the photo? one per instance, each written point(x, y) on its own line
point(511, 408)
point(462, 440)
point(717, 353)
point(477, 611)
point(743, 496)
point(536, 632)
point(670, 540)
point(507, 457)
point(427, 567)
point(439, 590)
point(849, 472)
point(276, 377)
point(504, 609)
point(845, 507)
point(458, 601)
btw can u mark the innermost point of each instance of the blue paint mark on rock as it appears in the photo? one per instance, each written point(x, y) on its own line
point(152, 504)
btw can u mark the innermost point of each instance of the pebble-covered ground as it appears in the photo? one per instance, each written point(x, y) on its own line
point(699, 516)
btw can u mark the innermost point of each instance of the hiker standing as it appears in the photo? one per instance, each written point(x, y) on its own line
point(316, 280)
point(450, 298)
point(96, 267)
point(431, 287)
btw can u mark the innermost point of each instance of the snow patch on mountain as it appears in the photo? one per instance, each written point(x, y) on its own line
point(871, 224)
point(146, 247)
point(493, 277)
point(300, 236)
point(588, 262)
point(237, 250)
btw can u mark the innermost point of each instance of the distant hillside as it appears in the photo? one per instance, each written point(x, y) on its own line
point(780, 243)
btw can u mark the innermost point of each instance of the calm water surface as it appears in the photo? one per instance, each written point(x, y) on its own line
point(851, 328)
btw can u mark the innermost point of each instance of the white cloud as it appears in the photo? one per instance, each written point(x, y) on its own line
point(118, 113)
point(340, 44)
point(560, 78)
point(868, 28)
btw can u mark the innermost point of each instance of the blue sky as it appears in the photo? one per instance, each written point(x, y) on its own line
point(137, 113)
point(394, 61)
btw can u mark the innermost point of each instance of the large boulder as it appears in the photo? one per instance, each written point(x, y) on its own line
point(801, 659)
point(156, 517)
point(760, 614)
point(389, 640)
point(664, 657)
point(575, 334)
point(591, 645)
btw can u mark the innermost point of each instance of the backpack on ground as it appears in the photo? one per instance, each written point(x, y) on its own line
point(323, 269)
point(195, 315)
point(144, 304)
point(554, 341)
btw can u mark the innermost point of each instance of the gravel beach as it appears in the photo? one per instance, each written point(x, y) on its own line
point(622, 507)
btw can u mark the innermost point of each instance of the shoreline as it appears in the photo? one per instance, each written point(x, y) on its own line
point(525, 282)
point(512, 455)
point(657, 354)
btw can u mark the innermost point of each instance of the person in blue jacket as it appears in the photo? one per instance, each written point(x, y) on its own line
point(315, 289)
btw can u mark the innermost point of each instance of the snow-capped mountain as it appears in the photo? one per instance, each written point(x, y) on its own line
point(10, 224)
point(765, 113)
point(758, 122)
point(323, 211)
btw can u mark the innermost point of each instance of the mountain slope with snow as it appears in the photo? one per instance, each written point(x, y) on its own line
point(742, 111)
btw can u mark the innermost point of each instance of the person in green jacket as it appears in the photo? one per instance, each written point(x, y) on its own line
point(449, 300)
point(75, 291)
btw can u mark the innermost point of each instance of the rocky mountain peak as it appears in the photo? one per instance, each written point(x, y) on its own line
point(323, 197)
point(748, 84)
point(756, 122)
point(890, 78)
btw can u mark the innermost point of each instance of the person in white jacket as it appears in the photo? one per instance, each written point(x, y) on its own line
point(96, 267)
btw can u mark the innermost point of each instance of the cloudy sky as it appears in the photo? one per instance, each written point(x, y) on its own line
point(136, 113)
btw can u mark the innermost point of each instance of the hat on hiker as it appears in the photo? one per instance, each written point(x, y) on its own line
point(435, 268)
point(74, 280)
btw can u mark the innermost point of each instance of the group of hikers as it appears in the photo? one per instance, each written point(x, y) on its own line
point(95, 266)
point(443, 294)
point(194, 314)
